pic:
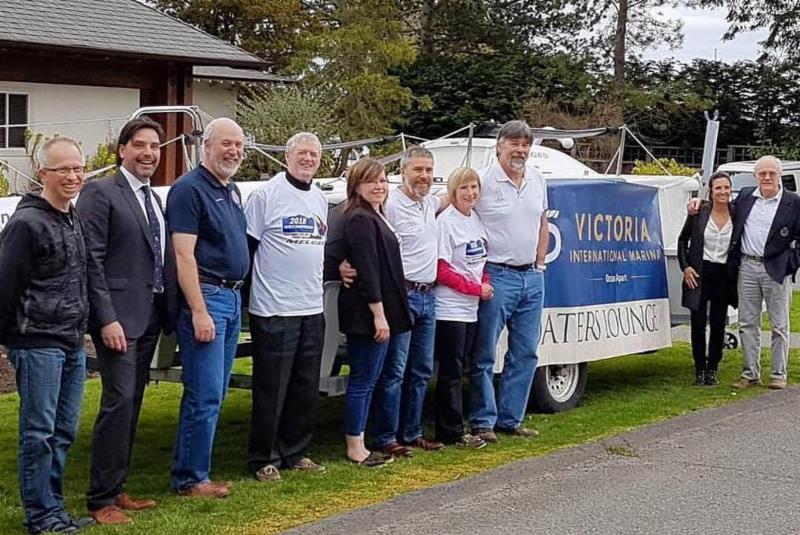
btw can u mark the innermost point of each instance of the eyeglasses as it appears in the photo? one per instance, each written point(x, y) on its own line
point(65, 171)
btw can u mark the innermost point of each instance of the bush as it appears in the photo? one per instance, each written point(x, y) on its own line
point(105, 155)
point(272, 115)
point(653, 168)
point(4, 187)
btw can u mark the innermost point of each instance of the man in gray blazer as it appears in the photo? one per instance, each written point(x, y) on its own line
point(132, 296)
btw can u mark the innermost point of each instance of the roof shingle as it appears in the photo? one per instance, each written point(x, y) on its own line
point(114, 26)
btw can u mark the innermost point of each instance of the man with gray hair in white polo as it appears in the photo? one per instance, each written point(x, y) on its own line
point(764, 254)
point(287, 227)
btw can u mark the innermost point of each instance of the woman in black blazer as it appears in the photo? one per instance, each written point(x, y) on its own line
point(375, 306)
point(703, 247)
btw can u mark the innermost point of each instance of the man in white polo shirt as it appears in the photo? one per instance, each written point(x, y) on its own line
point(512, 207)
point(400, 391)
point(286, 218)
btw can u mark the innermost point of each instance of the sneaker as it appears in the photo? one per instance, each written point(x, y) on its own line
point(518, 431)
point(268, 473)
point(777, 384)
point(744, 382)
point(307, 465)
point(63, 523)
point(699, 378)
point(711, 378)
point(485, 434)
point(470, 441)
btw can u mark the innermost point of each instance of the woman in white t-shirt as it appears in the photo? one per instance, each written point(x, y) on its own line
point(461, 284)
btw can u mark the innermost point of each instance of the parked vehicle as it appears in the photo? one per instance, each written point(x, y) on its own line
point(742, 175)
point(562, 374)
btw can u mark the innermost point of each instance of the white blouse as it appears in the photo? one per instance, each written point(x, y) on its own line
point(716, 241)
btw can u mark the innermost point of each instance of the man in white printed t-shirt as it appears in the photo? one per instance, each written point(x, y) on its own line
point(287, 221)
point(513, 208)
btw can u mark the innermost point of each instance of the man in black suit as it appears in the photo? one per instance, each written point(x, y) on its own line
point(763, 251)
point(131, 282)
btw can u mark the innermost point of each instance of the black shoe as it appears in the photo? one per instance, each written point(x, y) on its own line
point(711, 378)
point(699, 379)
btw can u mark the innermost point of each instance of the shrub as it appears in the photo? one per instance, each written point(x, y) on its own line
point(105, 155)
point(653, 168)
point(4, 187)
point(274, 114)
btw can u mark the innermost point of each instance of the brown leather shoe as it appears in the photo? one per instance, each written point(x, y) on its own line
point(125, 501)
point(110, 514)
point(395, 449)
point(425, 444)
point(206, 489)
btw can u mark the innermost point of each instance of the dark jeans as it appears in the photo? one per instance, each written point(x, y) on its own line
point(454, 341)
point(403, 383)
point(50, 387)
point(124, 376)
point(366, 357)
point(714, 288)
point(286, 362)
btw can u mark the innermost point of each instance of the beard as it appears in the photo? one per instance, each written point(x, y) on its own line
point(227, 169)
point(517, 164)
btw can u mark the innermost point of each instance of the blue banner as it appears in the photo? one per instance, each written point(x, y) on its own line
point(605, 244)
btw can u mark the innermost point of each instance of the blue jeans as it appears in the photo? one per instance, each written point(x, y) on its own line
point(365, 356)
point(517, 304)
point(401, 389)
point(206, 373)
point(50, 386)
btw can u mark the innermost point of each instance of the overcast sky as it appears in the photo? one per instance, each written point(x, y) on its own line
point(702, 33)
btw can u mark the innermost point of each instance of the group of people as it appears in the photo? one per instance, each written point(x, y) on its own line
point(425, 275)
point(744, 253)
point(421, 274)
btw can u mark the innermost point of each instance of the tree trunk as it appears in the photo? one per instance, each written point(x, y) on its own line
point(426, 38)
point(619, 55)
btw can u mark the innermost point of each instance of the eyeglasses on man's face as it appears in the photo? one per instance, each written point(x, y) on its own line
point(65, 171)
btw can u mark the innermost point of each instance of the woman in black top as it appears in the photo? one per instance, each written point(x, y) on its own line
point(702, 252)
point(375, 306)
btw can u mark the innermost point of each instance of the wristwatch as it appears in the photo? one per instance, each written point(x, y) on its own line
point(541, 267)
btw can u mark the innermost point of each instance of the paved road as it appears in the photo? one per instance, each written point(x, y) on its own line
point(730, 470)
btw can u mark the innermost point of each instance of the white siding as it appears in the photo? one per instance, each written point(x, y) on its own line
point(218, 99)
point(49, 103)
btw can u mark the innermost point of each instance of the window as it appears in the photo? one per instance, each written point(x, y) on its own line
point(13, 110)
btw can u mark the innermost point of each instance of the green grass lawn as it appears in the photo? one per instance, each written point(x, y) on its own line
point(794, 315)
point(622, 394)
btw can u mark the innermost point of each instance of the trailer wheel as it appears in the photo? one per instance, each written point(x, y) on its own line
point(731, 341)
point(558, 387)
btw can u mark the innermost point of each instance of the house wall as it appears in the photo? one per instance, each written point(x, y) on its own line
point(215, 98)
point(49, 103)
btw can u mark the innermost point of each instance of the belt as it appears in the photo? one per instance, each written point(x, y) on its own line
point(523, 267)
point(225, 283)
point(421, 287)
point(759, 259)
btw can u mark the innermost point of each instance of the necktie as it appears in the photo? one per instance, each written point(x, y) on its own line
point(155, 233)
